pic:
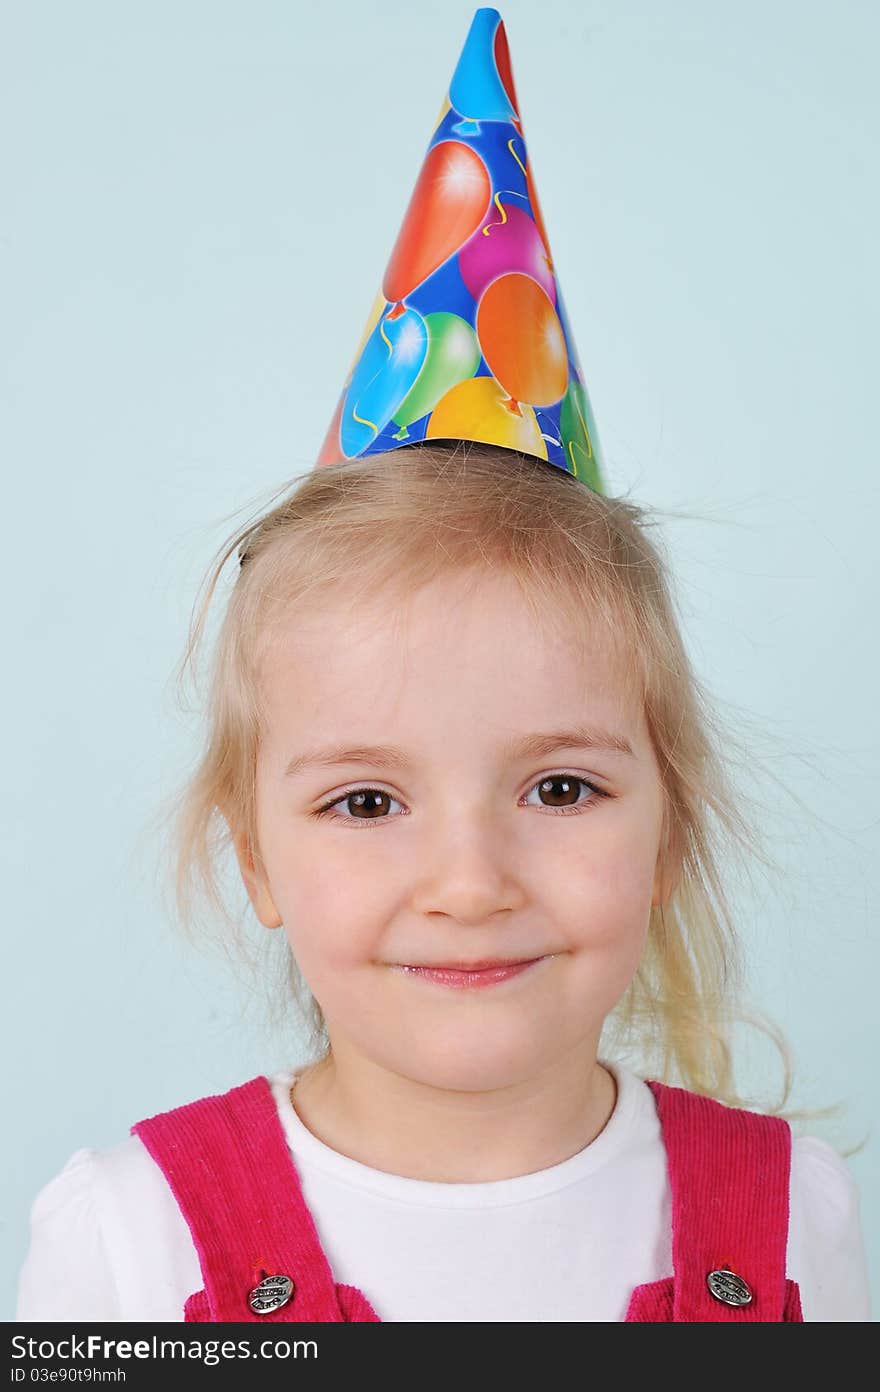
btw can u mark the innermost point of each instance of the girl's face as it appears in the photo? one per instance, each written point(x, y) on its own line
point(459, 843)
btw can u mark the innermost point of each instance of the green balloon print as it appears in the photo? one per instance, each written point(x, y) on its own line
point(453, 356)
point(580, 439)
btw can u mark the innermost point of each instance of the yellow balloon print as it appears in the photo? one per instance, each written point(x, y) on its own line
point(478, 409)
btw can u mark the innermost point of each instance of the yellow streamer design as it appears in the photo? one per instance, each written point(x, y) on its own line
point(516, 156)
point(500, 206)
point(364, 422)
point(497, 198)
point(361, 421)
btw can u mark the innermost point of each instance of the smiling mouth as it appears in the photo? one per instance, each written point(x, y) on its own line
point(469, 975)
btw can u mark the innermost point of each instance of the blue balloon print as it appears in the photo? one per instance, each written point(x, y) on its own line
point(389, 365)
point(476, 91)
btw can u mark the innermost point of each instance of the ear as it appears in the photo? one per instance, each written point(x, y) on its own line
point(255, 883)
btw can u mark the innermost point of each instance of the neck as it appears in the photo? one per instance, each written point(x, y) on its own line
point(405, 1127)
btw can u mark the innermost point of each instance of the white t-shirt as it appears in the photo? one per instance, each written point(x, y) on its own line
point(108, 1242)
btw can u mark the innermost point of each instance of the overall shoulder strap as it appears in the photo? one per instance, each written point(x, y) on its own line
point(229, 1167)
point(729, 1173)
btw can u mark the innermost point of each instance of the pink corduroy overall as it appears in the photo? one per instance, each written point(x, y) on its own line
point(229, 1166)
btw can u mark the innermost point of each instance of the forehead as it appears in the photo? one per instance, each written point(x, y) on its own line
point(456, 651)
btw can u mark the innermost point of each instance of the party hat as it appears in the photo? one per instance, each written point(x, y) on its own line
point(468, 338)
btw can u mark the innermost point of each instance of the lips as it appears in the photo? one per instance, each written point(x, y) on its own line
point(469, 976)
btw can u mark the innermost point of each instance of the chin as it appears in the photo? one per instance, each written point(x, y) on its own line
point(476, 1066)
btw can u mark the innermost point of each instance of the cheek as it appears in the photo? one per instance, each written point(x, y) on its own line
point(329, 922)
point(313, 897)
point(607, 932)
point(327, 945)
point(609, 895)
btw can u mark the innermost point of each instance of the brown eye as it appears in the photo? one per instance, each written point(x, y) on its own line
point(372, 802)
point(361, 805)
point(561, 792)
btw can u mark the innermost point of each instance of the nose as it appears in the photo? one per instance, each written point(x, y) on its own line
point(468, 872)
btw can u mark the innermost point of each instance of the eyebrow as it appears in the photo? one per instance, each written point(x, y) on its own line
point(526, 746)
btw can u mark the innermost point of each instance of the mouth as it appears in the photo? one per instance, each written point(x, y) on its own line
point(470, 975)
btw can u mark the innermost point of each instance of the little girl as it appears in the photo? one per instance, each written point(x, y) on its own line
point(464, 766)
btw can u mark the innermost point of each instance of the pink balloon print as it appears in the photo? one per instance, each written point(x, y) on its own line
point(510, 242)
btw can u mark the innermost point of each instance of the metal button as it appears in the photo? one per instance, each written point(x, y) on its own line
point(727, 1287)
point(270, 1294)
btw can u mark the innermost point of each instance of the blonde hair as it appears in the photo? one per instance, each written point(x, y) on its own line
point(389, 523)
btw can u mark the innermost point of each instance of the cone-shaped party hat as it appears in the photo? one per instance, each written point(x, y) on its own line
point(468, 337)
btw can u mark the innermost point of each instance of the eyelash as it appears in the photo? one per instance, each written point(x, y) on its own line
point(327, 809)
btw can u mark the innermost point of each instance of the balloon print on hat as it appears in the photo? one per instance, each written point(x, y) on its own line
point(388, 367)
point(511, 243)
point(522, 340)
point(448, 203)
point(453, 355)
point(479, 410)
point(482, 84)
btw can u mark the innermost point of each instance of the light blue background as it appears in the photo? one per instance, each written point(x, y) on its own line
point(198, 203)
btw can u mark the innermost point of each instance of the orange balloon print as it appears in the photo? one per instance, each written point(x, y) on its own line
point(447, 206)
point(522, 339)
